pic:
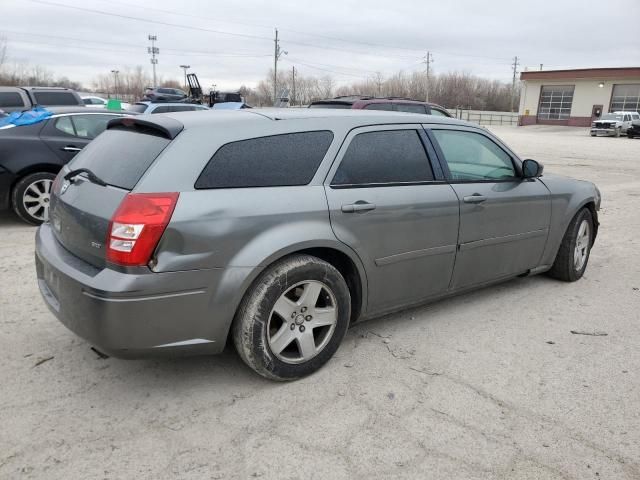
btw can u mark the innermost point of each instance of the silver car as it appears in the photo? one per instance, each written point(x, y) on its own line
point(276, 230)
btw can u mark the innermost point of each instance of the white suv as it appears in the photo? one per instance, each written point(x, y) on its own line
point(613, 123)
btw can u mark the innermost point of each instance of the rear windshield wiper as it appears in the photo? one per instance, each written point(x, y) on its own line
point(92, 177)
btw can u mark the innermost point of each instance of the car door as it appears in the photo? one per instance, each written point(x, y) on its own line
point(394, 209)
point(66, 135)
point(504, 219)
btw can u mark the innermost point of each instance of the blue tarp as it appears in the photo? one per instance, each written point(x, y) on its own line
point(35, 115)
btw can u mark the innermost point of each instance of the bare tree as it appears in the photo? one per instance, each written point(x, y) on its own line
point(3, 50)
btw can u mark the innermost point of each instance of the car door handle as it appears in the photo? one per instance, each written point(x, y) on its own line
point(475, 198)
point(358, 207)
point(71, 148)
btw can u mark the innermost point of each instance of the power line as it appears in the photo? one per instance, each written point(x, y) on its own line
point(129, 48)
point(328, 37)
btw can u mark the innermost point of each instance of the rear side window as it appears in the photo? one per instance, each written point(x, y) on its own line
point(438, 113)
point(162, 109)
point(90, 126)
point(330, 105)
point(380, 106)
point(278, 160)
point(394, 156)
point(120, 157)
point(55, 98)
point(410, 108)
point(11, 99)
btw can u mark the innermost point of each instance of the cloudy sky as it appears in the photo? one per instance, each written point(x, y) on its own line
point(231, 43)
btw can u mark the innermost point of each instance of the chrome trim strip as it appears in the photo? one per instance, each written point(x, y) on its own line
point(505, 239)
point(415, 254)
point(185, 343)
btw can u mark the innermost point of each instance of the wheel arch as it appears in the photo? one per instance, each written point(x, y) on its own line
point(337, 254)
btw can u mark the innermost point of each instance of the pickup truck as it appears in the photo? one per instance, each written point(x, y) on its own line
point(614, 123)
point(24, 98)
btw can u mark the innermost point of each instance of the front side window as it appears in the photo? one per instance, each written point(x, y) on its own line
point(11, 99)
point(278, 160)
point(90, 126)
point(474, 157)
point(555, 102)
point(387, 157)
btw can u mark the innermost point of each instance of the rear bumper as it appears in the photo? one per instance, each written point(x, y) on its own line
point(132, 315)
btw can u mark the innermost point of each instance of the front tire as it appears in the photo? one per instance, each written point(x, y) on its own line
point(293, 318)
point(573, 255)
point(30, 197)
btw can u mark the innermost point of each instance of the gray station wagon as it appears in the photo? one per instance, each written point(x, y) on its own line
point(278, 229)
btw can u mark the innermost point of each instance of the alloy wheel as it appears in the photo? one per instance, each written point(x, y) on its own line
point(36, 199)
point(302, 322)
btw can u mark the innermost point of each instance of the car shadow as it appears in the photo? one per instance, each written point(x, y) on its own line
point(10, 219)
point(228, 370)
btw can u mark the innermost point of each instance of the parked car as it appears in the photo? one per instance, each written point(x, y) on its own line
point(634, 130)
point(392, 104)
point(615, 123)
point(99, 102)
point(165, 107)
point(164, 95)
point(286, 226)
point(23, 98)
point(32, 155)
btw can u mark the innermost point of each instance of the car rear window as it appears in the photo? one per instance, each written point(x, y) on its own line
point(120, 157)
point(11, 99)
point(278, 160)
point(55, 98)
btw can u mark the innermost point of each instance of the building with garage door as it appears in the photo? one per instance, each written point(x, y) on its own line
point(577, 97)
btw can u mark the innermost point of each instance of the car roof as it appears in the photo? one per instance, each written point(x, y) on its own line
point(323, 118)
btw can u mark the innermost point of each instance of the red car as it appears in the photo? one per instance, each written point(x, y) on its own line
point(394, 104)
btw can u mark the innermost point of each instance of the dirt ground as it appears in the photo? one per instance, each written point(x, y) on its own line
point(488, 385)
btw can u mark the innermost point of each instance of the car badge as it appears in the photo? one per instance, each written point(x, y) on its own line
point(64, 187)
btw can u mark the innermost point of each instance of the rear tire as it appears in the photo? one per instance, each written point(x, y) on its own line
point(293, 318)
point(30, 197)
point(573, 255)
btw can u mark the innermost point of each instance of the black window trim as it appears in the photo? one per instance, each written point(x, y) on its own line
point(333, 137)
point(515, 161)
point(438, 174)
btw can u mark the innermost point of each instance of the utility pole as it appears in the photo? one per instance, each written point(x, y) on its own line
point(540, 66)
point(277, 53)
point(428, 60)
point(513, 84)
point(293, 84)
point(153, 50)
point(185, 68)
point(115, 80)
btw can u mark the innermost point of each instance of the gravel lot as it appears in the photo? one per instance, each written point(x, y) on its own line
point(488, 385)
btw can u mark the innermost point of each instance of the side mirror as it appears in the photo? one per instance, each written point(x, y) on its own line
point(531, 169)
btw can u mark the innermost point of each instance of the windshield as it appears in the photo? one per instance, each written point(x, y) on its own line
point(611, 116)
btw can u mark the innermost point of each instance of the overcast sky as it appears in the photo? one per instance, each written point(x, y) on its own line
point(231, 43)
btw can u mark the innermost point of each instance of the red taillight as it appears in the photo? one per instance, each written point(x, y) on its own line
point(137, 226)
